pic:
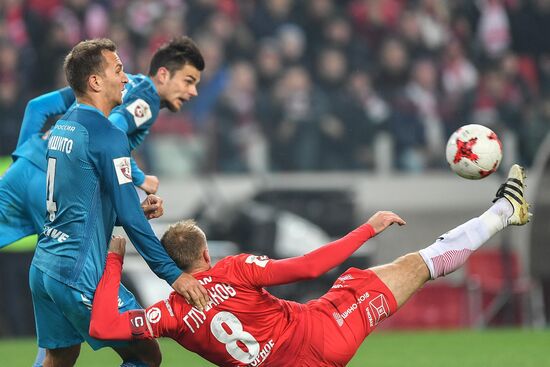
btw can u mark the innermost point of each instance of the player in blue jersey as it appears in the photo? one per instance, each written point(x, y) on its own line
point(170, 83)
point(89, 189)
point(23, 186)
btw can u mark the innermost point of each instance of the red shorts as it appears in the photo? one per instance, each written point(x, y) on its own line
point(342, 318)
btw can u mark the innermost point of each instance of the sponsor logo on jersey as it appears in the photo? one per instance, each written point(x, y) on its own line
point(354, 306)
point(154, 315)
point(123, 170)
point(140, 110)
point(351, 309)
point(379, 308)
point(338, 318)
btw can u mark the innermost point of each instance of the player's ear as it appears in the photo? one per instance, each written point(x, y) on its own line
point(163, 74)
point(95, 82)
point(206, 255)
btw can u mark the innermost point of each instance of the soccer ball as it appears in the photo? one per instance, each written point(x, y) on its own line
point(474, 151)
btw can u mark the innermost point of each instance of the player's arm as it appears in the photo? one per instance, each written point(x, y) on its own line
point(321, 260)
point(113, 160)
point(134, 117)
point(107, 323)
point(148, 183)
point(125, 121)
point(41, 108)
point(137, 137)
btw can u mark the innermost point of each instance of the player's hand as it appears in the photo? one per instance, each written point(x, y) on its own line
point(150, 185)
point(191, 290)
point(152, 206)
point(382, 220)
point(118, 245)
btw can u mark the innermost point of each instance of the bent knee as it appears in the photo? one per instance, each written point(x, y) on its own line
point(404, 276)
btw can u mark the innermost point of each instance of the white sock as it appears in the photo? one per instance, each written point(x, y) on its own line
point(496, 217)
point(450, 251)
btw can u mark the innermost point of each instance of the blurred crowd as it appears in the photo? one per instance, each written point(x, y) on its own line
point(305, 85)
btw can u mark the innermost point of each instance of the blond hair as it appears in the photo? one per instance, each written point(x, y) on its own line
point(184, 243)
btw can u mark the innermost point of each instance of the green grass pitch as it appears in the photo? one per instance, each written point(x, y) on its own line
point(494, 348)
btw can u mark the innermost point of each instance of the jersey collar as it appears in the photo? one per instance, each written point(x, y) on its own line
point(84, 106)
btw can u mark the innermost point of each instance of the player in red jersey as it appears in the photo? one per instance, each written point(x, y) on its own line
point(243, 325)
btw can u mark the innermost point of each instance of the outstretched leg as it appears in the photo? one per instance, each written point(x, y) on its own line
point(360, 299)
point(450, 251)
point(404, 276)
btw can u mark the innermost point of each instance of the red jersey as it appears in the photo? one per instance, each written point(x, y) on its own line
point(243, 325)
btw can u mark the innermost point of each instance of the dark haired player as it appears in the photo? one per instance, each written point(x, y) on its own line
point(174, 73)
point(89, 190)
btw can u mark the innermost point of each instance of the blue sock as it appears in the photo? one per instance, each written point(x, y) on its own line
point(39, 357)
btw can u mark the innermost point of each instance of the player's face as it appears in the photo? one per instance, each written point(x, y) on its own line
point(181, 86)
point(115, 78)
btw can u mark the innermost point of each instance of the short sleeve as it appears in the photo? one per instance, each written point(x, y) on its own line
point(251, 270)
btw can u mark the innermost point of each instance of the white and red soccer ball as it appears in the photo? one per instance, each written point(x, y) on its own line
point(474, 151)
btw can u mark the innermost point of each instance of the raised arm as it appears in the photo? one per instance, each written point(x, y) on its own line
point(41, 108)
point(107, 323)
point(321, 260)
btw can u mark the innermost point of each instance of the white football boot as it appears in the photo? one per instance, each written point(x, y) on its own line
point(513, 190)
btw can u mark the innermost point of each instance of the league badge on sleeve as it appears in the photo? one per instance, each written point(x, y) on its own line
point(261, 261)
point(123, 170)
point(140, 110)
point(154, 315)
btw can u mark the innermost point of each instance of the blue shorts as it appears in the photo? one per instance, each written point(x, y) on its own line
point(22, 201)
point(62, 313)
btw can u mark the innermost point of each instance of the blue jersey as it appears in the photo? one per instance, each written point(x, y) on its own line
point(34, 150)
point(31, 144)
point(135, 116)
point(88, 190)
point(139, 109)
point(137, 113)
